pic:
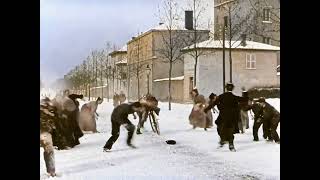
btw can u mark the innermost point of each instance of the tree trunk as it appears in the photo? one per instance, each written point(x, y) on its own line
point(101, 82)
point(86, 89)
point(89, 91)
point(96, 74)
point(113, 84)
point(195, 70)
point(138, 84)
point(195, 45)
point(128, 82)
point(107, 88)
point(170, 71)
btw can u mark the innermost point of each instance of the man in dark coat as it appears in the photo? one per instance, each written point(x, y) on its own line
point(271, 119)
point(77, 133)
point(119, 117)
point(229, 115)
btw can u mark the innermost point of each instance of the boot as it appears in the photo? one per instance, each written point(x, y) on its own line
point(138, 131)
point(132, 146)
point(231, 147)
point(221, 143)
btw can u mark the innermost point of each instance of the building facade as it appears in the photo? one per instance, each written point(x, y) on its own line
point(258, 19)
point(253, 65)
point(147, 64)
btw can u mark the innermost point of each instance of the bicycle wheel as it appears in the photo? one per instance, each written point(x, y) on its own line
point(155, 123)
point(151, 123)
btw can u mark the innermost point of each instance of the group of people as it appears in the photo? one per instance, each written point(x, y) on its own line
point(233, 115)
point(62, 123)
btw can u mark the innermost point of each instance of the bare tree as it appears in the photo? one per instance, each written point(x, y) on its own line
point(136, 68)
point(101, 58)
point(107, 67)
point(268, 12)
point(172, 38)
point(239, 23)
point(198, 7)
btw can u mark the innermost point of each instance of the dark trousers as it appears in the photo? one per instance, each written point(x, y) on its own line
point(273, 128)
point(266, 129)
point(115, 133)
point(226, 133)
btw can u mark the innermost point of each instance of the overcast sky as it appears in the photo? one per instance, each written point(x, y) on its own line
point(70, 29)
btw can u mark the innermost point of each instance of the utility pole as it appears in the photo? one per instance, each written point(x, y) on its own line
point(223, 37)
point(230, 44)
point(223, 53)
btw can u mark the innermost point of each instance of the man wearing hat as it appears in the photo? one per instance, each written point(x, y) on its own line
point(229, 116)
point(271, 119)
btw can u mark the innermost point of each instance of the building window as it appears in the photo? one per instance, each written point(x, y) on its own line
point(250, 61)
point(267, 40)
point(266, 14)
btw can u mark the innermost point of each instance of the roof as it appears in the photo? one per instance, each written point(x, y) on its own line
point(172, 79)
point(163, 27)
point(176, 26)
point(123, 49)
point(217, 44)
point(123, 61)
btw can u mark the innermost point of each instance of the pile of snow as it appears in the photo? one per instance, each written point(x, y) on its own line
point(195, 156)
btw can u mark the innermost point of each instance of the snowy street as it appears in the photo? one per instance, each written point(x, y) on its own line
point(196, 155)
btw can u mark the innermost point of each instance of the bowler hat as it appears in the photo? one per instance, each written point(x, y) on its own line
point(171, 142)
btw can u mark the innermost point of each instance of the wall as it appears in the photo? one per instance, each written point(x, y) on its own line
point(149, 45)
point(209, 71)
point(176, 90)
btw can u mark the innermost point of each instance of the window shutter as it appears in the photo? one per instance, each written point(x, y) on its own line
point(253, 61)
point(247, 61)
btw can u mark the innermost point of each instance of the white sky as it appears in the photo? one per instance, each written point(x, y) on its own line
point(70, 29)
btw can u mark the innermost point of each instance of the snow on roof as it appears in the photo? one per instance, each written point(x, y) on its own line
point(217, 44)
point(123, 49)
point(176, 26)
point(172, 79)
point(123, 61)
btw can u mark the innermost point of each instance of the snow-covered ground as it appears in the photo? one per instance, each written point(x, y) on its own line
point(195, 156)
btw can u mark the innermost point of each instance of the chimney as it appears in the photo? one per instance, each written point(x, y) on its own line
point(188, 18)
point(243, 40)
